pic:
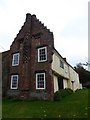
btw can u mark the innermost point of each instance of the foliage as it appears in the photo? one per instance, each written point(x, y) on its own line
point(70, 91)
point(57, 96)
point(77, 90)
point(84, 75)
point(62, 93)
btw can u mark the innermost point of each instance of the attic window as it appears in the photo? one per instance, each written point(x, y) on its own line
point(37, 35)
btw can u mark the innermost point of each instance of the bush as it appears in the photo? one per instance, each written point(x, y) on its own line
point(70, 91)
point(64, 92)
point(77, 90)
point(58, 95)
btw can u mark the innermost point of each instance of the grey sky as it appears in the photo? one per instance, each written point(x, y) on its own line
point(67, 19)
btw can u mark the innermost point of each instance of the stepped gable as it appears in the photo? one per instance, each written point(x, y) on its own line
point(39, 24)
point(33, 27)
point(39, 30)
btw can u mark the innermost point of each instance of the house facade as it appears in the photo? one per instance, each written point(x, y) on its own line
point(33, 68)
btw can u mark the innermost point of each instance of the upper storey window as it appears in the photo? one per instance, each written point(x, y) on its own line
point(61, 64)
point(15, 60)
point(42, 54)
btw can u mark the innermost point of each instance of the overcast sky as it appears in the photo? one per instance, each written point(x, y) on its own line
point(67, 19)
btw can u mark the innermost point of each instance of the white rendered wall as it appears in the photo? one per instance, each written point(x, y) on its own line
point(56, 66)
point(55, 78)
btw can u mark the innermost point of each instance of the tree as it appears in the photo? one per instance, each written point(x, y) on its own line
point(84, 75)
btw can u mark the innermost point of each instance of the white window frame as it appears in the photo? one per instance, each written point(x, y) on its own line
point(12, 82)
point(13, 60)
point(37, 81)
point(39, 54)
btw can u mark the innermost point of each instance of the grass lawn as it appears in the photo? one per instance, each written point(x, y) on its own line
point(72, 106)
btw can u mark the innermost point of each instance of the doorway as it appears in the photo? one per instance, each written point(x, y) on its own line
point(60, 83)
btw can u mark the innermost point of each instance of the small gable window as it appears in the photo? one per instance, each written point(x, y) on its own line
point(14, 81)
point(15, 60)
point(42, 54)
point(61, 64)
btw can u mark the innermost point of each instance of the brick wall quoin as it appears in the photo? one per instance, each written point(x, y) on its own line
point(32, 36)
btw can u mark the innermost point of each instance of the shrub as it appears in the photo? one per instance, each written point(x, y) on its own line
point(70, 91)
point(64, 92)
point(57, 96)
point(77, 90)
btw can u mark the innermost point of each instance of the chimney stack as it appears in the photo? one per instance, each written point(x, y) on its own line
point(28, 16)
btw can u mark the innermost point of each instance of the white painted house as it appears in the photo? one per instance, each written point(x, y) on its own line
point(64, 75)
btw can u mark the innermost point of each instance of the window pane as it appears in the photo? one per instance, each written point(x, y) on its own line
point(14, 81)
point(61, 64)
point(15, 60)
point(40, 77)
point(42, 54)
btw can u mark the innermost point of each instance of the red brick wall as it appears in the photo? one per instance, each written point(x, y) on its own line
point(32, 35)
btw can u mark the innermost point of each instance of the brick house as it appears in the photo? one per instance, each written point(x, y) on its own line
point(33, 68)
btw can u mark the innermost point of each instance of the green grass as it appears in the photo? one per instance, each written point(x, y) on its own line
point(72, 106)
